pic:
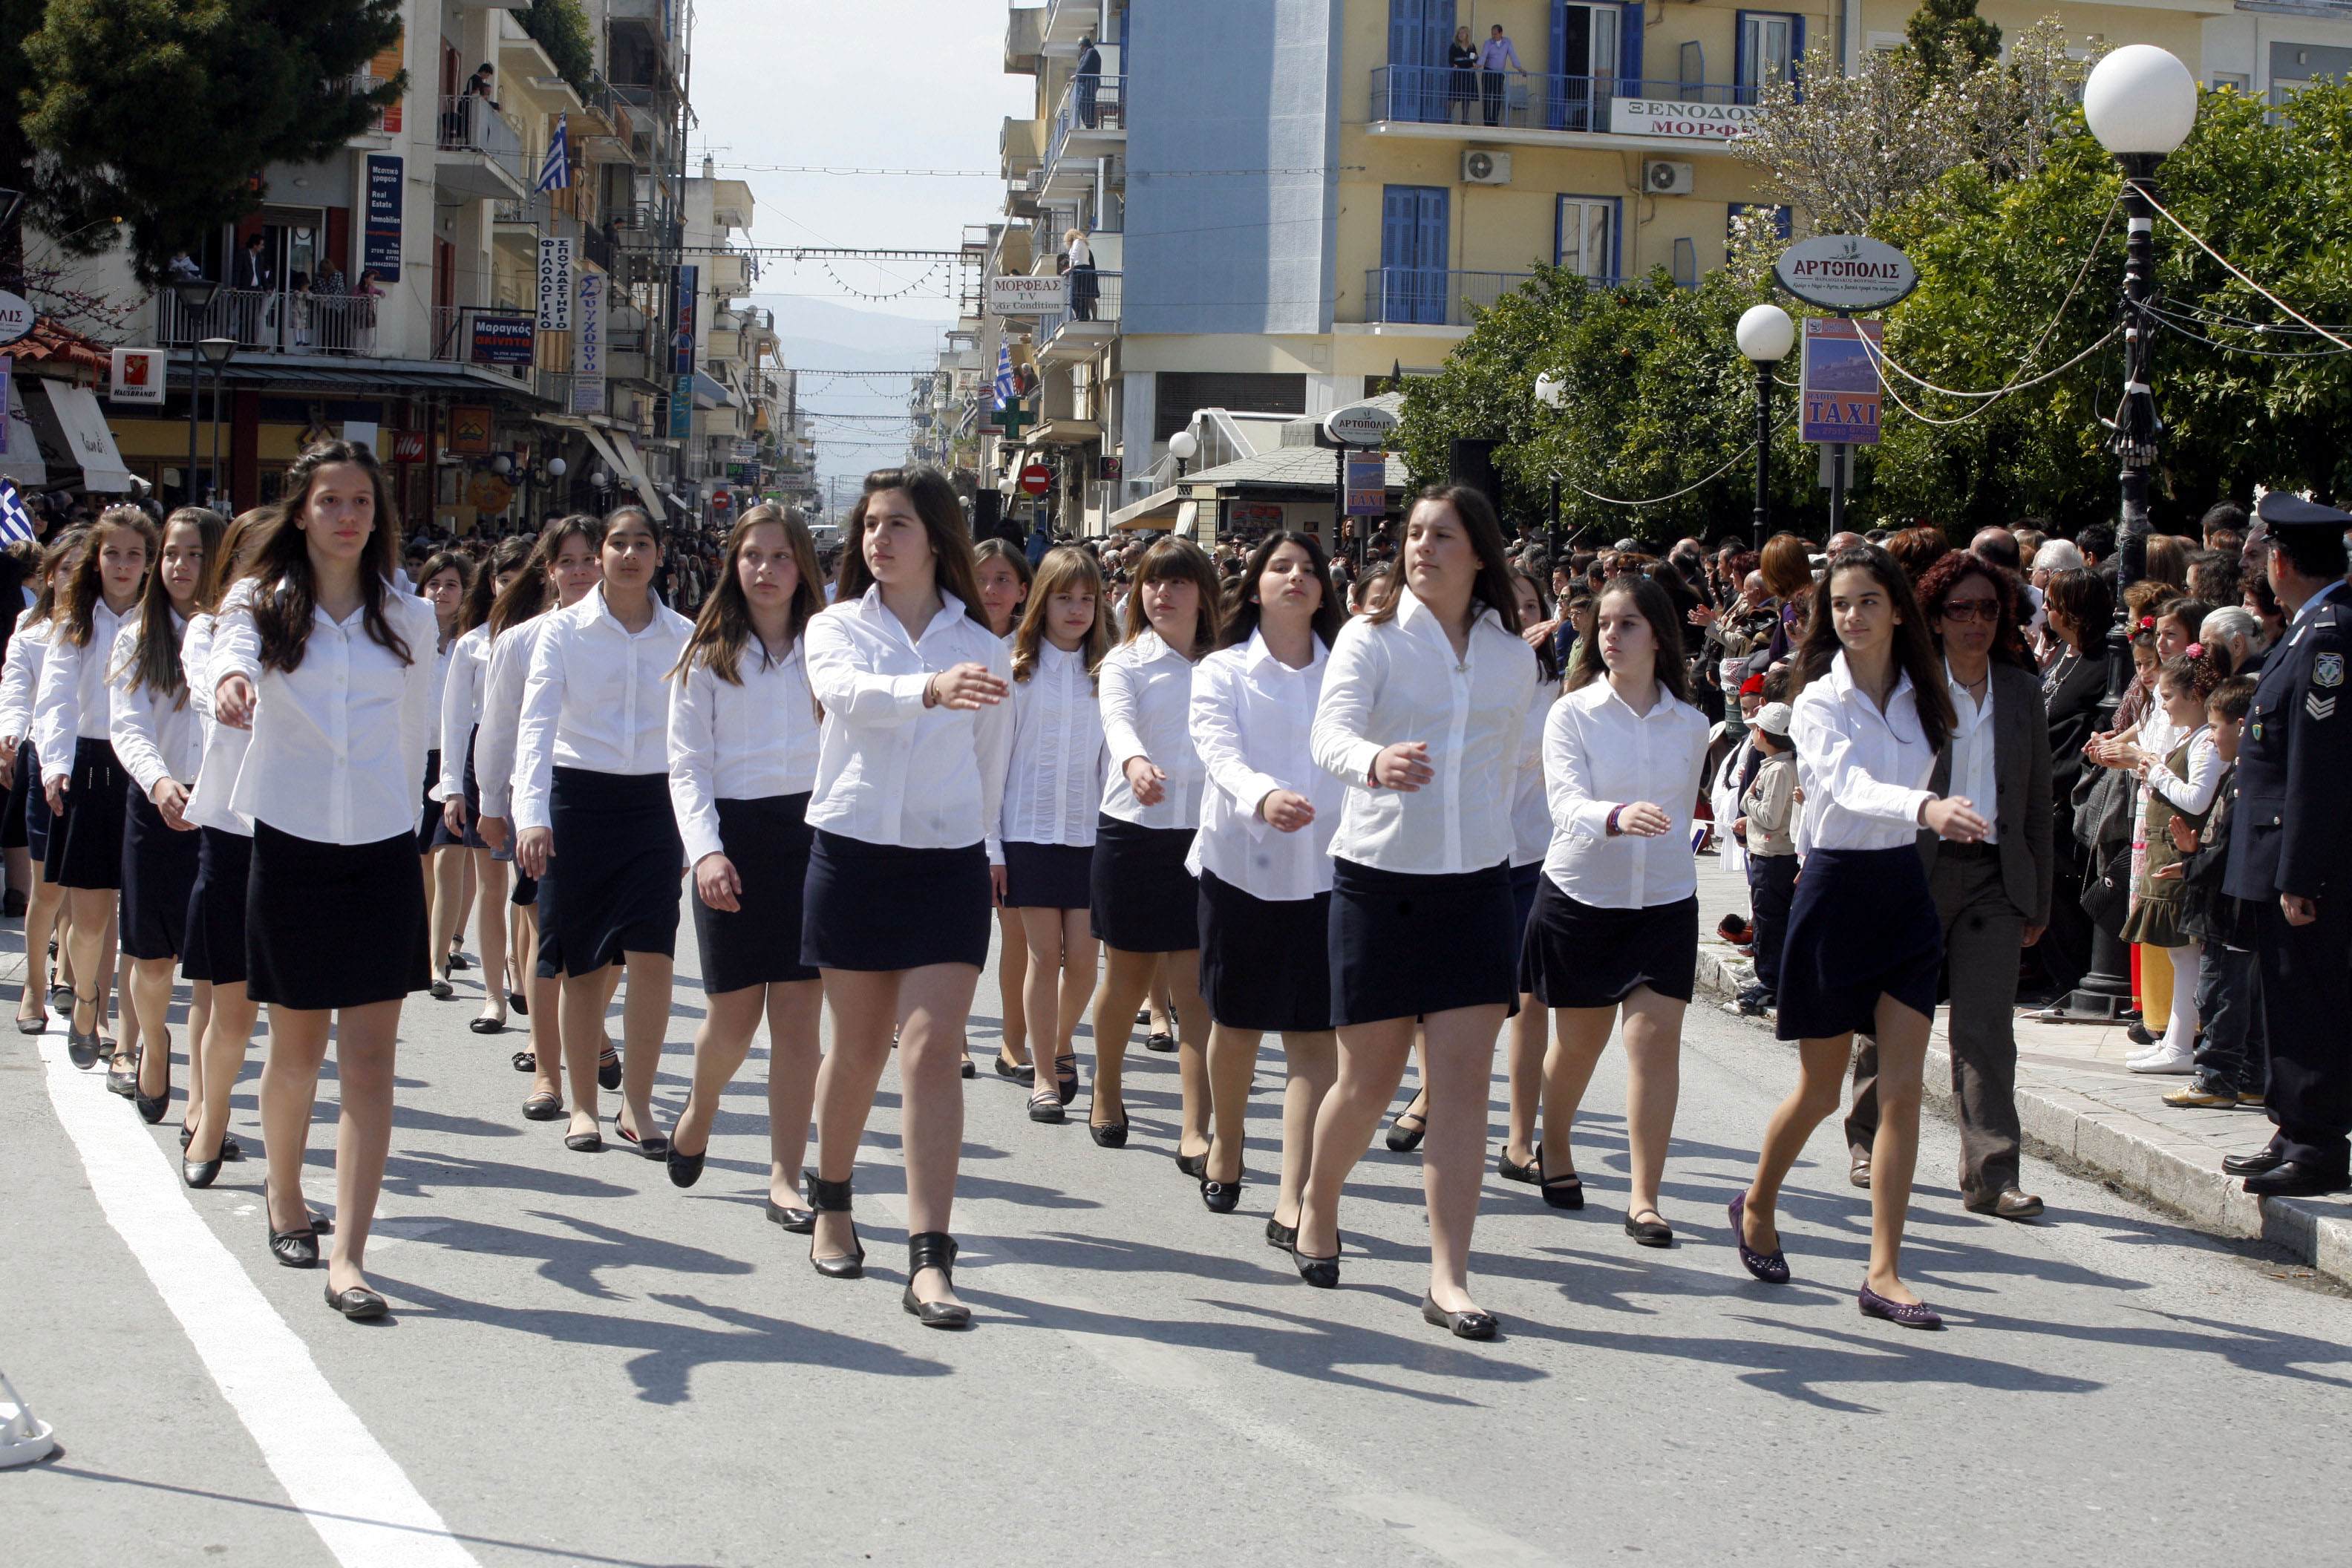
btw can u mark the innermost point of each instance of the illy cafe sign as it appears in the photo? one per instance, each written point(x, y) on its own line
point(1688, 121)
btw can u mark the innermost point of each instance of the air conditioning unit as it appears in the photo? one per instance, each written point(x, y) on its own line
point(1660, 178)
point(1479, 168)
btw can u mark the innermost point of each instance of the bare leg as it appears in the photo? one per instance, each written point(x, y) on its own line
point(730, 1019)
point(44, 913)
point(581, 1017)
point(290, 1084)
point(864, 1008)
point(467, 886)
point(445, 882)
point(1313, 1065)
point(794, 1053)
point(1158, 1001)
point(225, 1036)
point(1902, 1057)
point(365, 1043)
point(1579, 1036)
point(645, 1024)
point(490, 930)
point(1524, 1066)
point(1460, 1056)
point(1653, 1057)
point(933, 1002)
point(1821, 1084)
point(151, 999)
point(90, 910)
point(1232, 1064)
point(1013, 987)
point(546, 1007)
point(1181, 971)
point(200, 1017)
point(1371, 1059)
point(1128, 978)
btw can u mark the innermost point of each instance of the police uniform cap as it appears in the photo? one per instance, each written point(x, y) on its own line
point(2282, 511)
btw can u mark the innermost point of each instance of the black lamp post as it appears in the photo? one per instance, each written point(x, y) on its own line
point(217, 353)
point(1765, 335)
point(196, 296)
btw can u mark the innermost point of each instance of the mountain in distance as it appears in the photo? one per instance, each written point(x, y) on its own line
point(821, 335)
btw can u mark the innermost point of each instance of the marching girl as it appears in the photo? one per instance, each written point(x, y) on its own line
point(459, 827)
point(212, 952)
point(564, 566)
point(1616, 926)
point(1423, 711)
point(1530, 1026)
point(1263, 858)
point(442, 582)
point(1146, 904)
point(159, 741)
point(331, 667)
point(742, 761)
point(1052, 789)
point(910, 777)
point(1865, 944)
point(85, 785)
point(20, 678)
point(592, 798)
point(1004, 577)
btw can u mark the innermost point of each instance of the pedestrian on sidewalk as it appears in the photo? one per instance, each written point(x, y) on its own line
point(2180, 783)
point(1769, 816)
point(2231, 1064)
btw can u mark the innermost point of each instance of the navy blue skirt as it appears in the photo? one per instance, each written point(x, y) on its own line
point(1265, 963)
point(159, 877)
point(21, 789)
point(428, 816)
point(214, 945)
point(85, 848)
point(334, 925)
point(879, 907)
point(1403, 945)
point(39, 821)
point(1048, 876)
point(1578, 955)
point(615, 882)
point(1142, 898)
point(472, 839)
point(767, 841)
point(1864, 925)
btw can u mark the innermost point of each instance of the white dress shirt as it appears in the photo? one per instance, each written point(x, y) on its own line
point(1974, 775)
point(337, 754)
point(1530, 811)
point(2193, 794)
point(1147, 704)
point(223, 748)
point(460, 710)
point(156, 734)
point(504, 674)
point(1398, 680)
point(1253, 718)
point(1599, 754)
point(597, 700)
point(1053, 783)
point(752, 741)
point(70, 704)
point(20, 675)
point(889, 770)
point(1864, 773)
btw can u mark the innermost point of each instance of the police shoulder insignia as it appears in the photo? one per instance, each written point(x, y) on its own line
point(2327, 670)
point(2319, 706)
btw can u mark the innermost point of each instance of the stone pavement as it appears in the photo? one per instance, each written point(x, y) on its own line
point(2082, 1106)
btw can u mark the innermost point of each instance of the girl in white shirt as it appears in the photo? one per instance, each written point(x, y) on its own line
point(1615, 925)
point(1004, 577)
point(1263, 858)
point(592, 799)
point(1865, 944)
point(19, 679)
point(1530, 1027)
point(332, 669)
point(1052, 788)
point(157, 736)
point(742, 761)
point(84, 780)
point(910, 778)
point(1423, 717)
point(442, 582)
point(1146, 904)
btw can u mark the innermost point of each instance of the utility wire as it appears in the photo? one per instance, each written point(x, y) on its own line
point(1876, 358)
point(2079, 273)
point(2241, 277)
point(1742, 457)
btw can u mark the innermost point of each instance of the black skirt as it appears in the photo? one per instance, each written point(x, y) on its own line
point(428, 817)
point(213, 948)
point(1265, 963)
point(38, 821)
point(472, 839)
point(1580, 956)
point(1142, 898)
point(759, 944)
point(1862, 924)
point(159, 877)
point(1523, 881)
point(86, 839)
point(526, 891)
point(618, 857)
point(1048, 876)
point(334, 925)
point(1404, 945)
point(21, 789)
point(879, 907)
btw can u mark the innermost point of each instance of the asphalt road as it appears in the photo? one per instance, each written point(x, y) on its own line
point(587, 1365)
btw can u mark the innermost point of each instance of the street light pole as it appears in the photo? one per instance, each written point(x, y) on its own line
point(196, 296)
point(218, 353)
point(1765, 335)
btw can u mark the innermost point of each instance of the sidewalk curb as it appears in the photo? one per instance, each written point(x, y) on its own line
point(2179, 1176)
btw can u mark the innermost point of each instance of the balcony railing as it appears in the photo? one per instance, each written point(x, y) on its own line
point(1426, 297)
point(1094, 297)
point(1089, 103)
point(272, 321)
point(468, 124)
point(1438, 95)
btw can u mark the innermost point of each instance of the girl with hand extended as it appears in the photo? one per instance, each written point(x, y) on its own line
point(1423, 716)
point(742, 761)
point(460, 812)
point(1615, 927)
point(910, 779)
point(1865, 944)
point(1045, 836)
point(1005, 576)
point(1263, 858)
point(331, 667)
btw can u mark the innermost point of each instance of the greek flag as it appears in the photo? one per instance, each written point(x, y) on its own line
point(555, 175)
point(1005, 387)
point(15, 522)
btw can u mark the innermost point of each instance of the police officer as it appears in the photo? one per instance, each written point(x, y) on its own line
point(2291, 856)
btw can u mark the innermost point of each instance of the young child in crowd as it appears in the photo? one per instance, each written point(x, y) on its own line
point(2232, 1062)
point(1768, 814)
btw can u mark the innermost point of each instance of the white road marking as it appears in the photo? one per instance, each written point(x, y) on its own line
point(354, 1494)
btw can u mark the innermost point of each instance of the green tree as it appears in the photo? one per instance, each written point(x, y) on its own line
point(161, 115)
point(560, 27)
point(1949, 40)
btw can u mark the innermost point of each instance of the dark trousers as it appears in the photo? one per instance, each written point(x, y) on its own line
point(2231, 1056)
point(1983, 933)
point(1490, 95)
point(1771, 888)
point(2307, 1020)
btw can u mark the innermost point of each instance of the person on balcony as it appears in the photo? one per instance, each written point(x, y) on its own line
point(1089, 79)
point(249, 276)
point(1084, 287)
point(327, 290)
point(1497, 57)
point(1461, 84)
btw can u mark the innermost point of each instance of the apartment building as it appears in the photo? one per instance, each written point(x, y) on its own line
point(1289, 201)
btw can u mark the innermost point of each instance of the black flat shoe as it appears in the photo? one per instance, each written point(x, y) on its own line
point(590, 1143)
point(1461, 1325)
point(440, 987)
point(1221, 1197)
point(199, 1173)
point(231, 1152)
point(608, 1069)
point(1531, 1172)
point(1563, 1192)
point(1046, 1106)
point(685, 1170)
point(1107, 1135)
point(1323, 1273)
point(834, 1197)
point(1065, 1078)
point(519, 1003)
point(296, 1248)
point(1281, 1238)
point(488, 1026)
point(966, 1069)
point(122, 1080)
point(1019, 1072)
point(933, 1249)
point(82, 1049)
point(39, 1026)
point(524, 1061)
point(544, 1107)
point(359, 1303)
point(1404, 1140)
point(457, 963)
point(61, 997)
point(1193, 1165)
point(652, 1146)
point(1163, 1043)
point(1909, 1314)
point(2255, 1165)
point(1651, 1232)
point(800, 1222)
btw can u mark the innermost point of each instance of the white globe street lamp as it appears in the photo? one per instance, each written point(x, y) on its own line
point(1183, 447)
point(1765, 334)
point(2140, 99)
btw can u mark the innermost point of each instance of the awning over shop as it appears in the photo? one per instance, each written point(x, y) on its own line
point(604, 451)
point(633, 463)
point(80, 436)
point(709, 392)
point(22, 462)
point(361, 377)
point(1153, 510)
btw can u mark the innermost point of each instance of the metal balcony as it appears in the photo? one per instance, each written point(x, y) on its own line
point(476, 152)
point(272, 321)
point(1439, 95)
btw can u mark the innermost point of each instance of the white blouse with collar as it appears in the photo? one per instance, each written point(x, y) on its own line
point(1147, 705)
point(1864, 772)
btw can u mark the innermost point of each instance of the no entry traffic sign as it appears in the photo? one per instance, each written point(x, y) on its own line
point(1037, 480)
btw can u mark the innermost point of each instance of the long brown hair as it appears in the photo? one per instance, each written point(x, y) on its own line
point(442, 561)
point(1915, 651)
point(79, 619)
point(1241, 623)
point(723, 630)
point(1066, 566)
point(512, 554)
point(284, 598)
point(51, 593)
point(1492, 587)
point(529, 594)
point(1182, 561)
point(955, 569)
point(1652, 604)
point(995, 549)
point(154, 663)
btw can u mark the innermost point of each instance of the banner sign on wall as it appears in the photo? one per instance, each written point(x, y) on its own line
point(138, 377)
point(681, 408)
point(684, 290)
point(588, 346)
point(502, 339)
point(554, 283)
point(1841, 393)
point(380, 242)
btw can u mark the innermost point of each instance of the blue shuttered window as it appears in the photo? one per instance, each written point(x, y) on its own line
point(1413, 251)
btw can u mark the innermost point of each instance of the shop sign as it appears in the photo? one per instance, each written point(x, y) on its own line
point(1025, 296)
point(554, 283)
point(1689, 122)
point(469, 430)
point(588, 346)
point(138, 377)
point(1846, 272)
point(379, 240)
point(1368, 484)
point(502, 339)
point(1839, 380)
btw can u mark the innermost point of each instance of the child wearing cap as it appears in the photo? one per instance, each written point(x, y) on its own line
point(1768, 808)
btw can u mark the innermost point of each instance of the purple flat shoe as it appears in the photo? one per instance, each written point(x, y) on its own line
point(1772, 1267)
point(1910, 1314)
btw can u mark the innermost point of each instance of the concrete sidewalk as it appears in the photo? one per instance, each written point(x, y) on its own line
point(2082, 1108)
